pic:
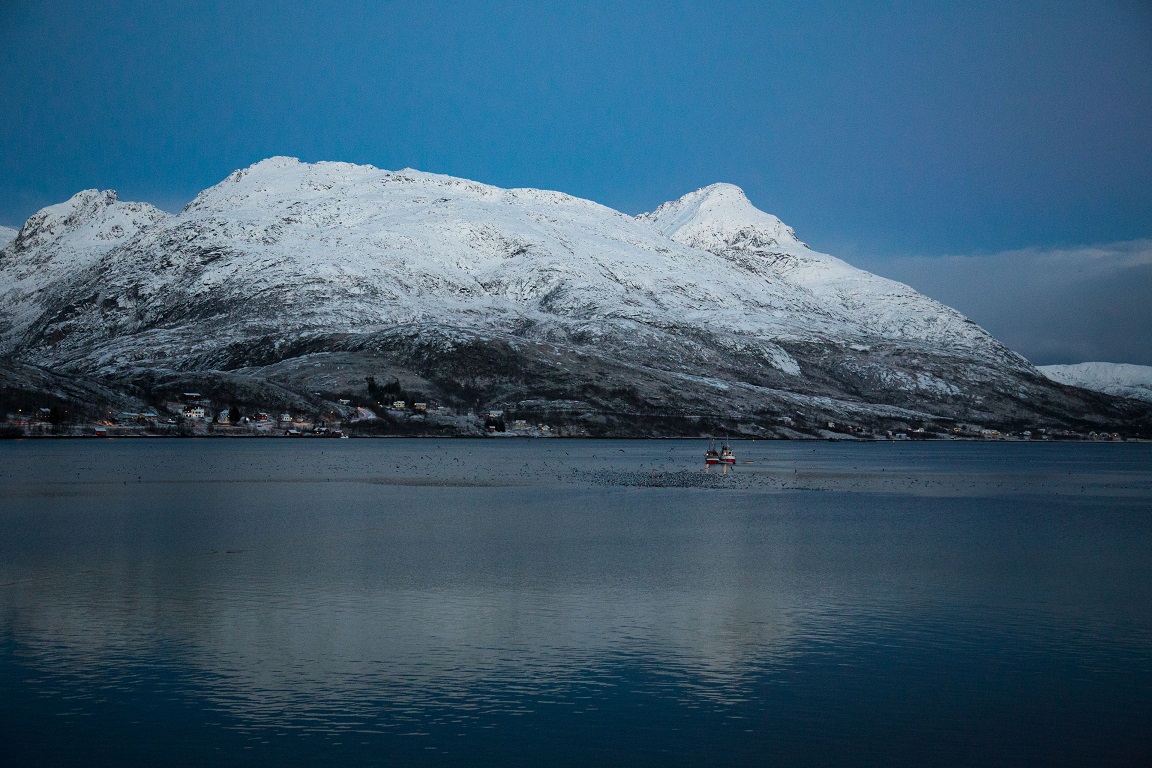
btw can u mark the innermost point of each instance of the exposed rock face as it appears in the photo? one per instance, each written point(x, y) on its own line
point(313, 276)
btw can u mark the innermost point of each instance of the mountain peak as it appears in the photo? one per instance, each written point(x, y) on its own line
point(91, 221)
point(279, 178)
point(720, 191)
point(720, 216)
point(50, 222)
point(276, 161)
point(83, 205)
point(269, 166)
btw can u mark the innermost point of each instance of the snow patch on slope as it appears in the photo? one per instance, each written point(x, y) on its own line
point(1120, 379)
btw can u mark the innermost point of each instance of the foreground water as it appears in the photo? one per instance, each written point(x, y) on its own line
point(511, 602)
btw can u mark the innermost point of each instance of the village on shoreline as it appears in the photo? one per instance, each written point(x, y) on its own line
point(192, 414)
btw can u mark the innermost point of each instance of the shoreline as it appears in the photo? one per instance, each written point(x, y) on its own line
point(802, 439)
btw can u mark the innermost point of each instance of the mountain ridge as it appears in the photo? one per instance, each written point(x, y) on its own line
point(1119, 379)
point(704, 305)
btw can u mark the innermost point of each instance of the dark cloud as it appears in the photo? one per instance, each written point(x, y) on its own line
point(1052, 306)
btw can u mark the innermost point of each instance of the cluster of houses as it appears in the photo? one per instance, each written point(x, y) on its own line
point(193, 413)
point(32, 416)
point(401, 405)
point(960, 431)
point(496, 424)
point(194, 409)
point(35, 421)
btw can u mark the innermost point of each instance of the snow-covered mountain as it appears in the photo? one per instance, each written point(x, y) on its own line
point(60, 241)
point(1119, 379)
point(7, 235)
point(313, 276)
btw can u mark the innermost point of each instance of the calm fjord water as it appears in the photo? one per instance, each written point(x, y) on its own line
point(554, 602)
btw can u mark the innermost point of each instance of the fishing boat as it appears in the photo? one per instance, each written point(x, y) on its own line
point(726, 455)
point(711, 456)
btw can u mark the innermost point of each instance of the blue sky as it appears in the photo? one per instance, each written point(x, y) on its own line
point(881, 131)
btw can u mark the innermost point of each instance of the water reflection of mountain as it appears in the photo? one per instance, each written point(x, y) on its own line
point(265, 641)
point(331, 603)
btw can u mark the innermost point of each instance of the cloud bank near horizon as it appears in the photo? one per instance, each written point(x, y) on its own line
point(1053, 306)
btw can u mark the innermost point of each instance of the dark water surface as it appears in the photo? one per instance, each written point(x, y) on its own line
point(573, 603)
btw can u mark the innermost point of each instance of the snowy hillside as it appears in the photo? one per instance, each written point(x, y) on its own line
point(1119, 379)
point(313, 276)
point(60, 241)
point(7, 235)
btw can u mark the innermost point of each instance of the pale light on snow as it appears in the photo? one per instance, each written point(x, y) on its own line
point(1120, 379)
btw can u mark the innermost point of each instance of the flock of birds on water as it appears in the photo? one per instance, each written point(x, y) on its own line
point(450, 464)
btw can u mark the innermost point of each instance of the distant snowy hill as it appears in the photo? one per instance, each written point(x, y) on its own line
point(1120, 379)
point(7, 235)
point(311, 277)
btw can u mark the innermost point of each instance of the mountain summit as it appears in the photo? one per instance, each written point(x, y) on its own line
point(296, 278)
point(719, 217)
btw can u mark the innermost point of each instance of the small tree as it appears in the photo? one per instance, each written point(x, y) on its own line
point(234, 414)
